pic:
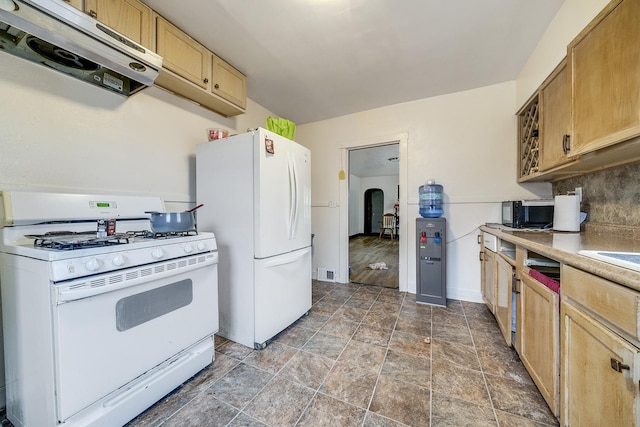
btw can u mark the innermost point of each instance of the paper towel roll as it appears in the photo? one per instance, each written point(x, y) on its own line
point(566, 213)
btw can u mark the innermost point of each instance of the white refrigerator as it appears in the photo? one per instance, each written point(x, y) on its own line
point(256, 192)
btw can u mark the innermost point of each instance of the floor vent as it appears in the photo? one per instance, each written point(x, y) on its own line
point(325, 275)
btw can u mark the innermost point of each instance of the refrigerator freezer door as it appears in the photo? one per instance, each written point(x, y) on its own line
point(282, 292)
point(281, 191)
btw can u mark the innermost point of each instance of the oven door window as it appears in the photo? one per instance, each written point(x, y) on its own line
point(106, 340)
point(145, 306)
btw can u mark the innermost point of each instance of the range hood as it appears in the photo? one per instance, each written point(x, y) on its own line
point(57, 35)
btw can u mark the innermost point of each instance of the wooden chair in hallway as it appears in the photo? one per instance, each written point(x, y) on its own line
point(388, 224)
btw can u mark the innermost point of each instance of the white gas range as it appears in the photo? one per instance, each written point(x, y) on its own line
point(97, 328)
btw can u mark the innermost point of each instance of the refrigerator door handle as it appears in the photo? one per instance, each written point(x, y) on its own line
point(294, 224)
point(293, 196)
point(287, 260)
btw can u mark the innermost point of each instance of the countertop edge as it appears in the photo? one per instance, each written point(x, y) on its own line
point(622, 276)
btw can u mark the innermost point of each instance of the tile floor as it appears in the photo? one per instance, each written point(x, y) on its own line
point(364, 356)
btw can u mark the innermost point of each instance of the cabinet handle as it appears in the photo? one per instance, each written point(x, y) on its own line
point(216, 86)
point(481, 256)
point(566, 144)
point(618, 366)
point(93, 14)
point(206, 80)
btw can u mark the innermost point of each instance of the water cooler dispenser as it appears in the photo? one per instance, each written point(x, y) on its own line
point(431, 287)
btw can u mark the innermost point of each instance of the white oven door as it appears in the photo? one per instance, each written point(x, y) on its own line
point(110, 329)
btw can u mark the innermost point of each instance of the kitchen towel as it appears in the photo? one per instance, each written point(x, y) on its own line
point(566, 213)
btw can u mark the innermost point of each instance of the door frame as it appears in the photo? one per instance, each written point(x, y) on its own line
point(375, 141)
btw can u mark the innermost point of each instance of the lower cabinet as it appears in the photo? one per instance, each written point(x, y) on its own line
point(504, 283)
point(600, 369)
point(599, 373)
point(488, 267)
point(538, 332)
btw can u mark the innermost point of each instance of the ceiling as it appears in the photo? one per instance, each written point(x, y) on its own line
point(375, 161)
point(310, 60)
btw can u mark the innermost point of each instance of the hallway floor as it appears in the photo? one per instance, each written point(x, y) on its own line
point(364, 356)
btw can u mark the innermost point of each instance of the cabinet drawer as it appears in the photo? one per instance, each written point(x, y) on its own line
point(615, 304)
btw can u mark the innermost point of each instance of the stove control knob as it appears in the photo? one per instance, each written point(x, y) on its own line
point(201, 246)
point(157, 253)
point(188, 248)
point(93, 264)
point(119, 260)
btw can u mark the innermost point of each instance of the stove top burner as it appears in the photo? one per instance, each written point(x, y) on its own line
point(70, 240)
point(146, 234)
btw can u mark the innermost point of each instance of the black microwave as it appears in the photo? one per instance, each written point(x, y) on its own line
point(528, 213)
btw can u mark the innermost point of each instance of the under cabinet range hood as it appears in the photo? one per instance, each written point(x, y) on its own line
point(57, 35)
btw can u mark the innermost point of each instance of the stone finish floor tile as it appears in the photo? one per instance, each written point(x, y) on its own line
point(350, 384)
point(459, 354)
point(272, 358)
point(404, 402)
point(327, 411)
point(408, 368)
point(240, 385)
point(281, 403)
point(372, 335)
point(326, 345)
point(204, 410)
point(519, 399)
point(464, 384)
point(448, 411)
point(364, 356)
point(307, 369)
point(295, 336)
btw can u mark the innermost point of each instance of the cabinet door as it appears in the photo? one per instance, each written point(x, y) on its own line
point(228, 83)
point(128, 17)
point(599, 373)
point(604, 60)
point(183, 55)
point(538, 335)
point(488, 266)
point(504, 279)
point(555, 118)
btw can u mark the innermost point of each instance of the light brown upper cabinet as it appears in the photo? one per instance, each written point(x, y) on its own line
point(182, 54)
point(228, 82)
point(193, 72)
point(603, 64)
point(128, 17)
point(555, 119)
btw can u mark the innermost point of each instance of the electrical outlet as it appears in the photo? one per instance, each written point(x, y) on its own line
point(579, 193)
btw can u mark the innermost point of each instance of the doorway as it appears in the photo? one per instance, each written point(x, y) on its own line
point(372, 192)
point(373, 209)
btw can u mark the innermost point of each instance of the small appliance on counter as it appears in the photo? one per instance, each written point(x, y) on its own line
point(536, 213)
point(566, 215)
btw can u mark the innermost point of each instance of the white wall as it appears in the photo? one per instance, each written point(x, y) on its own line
point(61, 134)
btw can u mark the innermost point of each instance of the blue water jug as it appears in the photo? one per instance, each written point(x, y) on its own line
point(431, 200)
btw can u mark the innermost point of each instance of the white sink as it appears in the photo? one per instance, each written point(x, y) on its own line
point(629, 260)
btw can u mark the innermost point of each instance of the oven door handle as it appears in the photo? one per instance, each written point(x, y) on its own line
point(84, 289)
